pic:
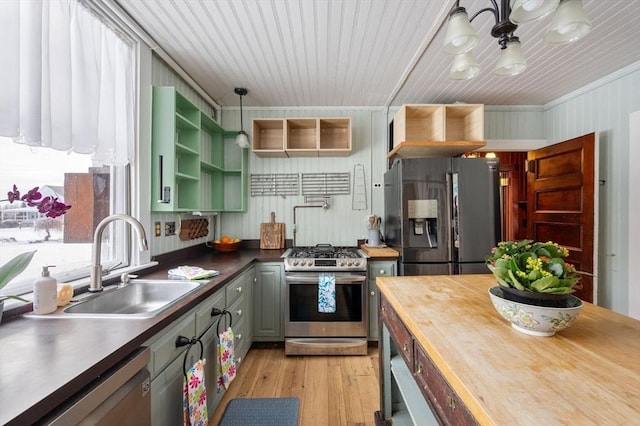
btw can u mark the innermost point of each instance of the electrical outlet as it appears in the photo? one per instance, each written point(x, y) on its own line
point(157, 229)
point(169, 229)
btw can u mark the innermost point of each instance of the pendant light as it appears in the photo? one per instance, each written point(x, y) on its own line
point(242, 139)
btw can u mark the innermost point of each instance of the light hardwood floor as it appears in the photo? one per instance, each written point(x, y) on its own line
point(333, 390)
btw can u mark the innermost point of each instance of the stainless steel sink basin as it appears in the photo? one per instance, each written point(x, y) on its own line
point(138, 299)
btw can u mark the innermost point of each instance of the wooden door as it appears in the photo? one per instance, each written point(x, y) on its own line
point(513, 195)
point(560, 202)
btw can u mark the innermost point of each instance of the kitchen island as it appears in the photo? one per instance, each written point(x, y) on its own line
point(441, 335)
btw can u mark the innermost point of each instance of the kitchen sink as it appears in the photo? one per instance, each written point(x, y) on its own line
point(138, 299)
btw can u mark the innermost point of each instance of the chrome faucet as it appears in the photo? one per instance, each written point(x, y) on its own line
point(95, 284)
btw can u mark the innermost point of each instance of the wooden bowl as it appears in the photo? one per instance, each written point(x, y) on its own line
point(226, 247)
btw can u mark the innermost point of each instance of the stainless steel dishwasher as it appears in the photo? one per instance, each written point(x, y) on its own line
point(121, 397)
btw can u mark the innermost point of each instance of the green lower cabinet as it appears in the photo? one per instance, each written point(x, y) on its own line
point(210, 343)
point(166, 368)
point(268, 302)
point(167, 362)
point(377, 268)
point(166, 395)
point(240, 305)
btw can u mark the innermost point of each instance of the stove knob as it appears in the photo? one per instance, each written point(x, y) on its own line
point(349, 263)
point(294, 263)
point(310, 263)
point(341, 263)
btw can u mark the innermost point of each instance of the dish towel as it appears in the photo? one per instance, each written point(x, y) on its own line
point(226, 359)
point(326, 292)
point(194, 396)
point(191, 273)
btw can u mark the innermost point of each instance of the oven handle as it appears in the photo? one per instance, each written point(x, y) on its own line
point(313, 279)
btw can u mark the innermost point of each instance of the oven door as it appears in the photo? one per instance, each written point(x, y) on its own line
point(302, 317)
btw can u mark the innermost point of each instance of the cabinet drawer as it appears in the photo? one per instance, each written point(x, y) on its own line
point(398, 331)
point(236, 288)
point(443, 400)
point(203, 314)
point(381, 269)
point(163, 350)
point(240, 309)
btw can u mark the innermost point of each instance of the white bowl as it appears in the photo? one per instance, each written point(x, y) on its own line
point(535, 320)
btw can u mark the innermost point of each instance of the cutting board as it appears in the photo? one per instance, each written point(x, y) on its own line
point(272, 234)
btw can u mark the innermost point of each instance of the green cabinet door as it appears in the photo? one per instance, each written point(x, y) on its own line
point(377, 268)
point(268, 296)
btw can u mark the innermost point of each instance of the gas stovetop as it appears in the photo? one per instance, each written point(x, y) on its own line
point(325, 257)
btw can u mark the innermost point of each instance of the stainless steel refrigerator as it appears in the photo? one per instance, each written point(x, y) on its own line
point(442, 214)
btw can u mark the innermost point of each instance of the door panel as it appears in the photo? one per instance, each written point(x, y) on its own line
point(413, 269)
point(560, 202)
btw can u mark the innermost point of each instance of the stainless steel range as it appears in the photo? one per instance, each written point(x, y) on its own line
point(308, 330)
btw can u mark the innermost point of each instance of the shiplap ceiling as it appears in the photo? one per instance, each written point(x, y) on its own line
point(373, 52)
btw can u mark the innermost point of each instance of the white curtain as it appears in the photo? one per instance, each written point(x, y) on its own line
point(66, 80)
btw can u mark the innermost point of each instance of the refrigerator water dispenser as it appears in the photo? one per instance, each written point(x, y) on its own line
point(423, 219)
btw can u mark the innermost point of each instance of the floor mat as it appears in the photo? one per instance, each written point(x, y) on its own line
point(261, 412)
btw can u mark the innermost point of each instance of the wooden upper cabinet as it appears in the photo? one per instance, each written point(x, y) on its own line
point(302, 137)
point(435, 130)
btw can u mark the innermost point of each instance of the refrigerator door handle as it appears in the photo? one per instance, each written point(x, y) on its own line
point(450, 212)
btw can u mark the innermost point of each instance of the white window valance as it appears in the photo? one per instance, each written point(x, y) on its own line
point(66, 80)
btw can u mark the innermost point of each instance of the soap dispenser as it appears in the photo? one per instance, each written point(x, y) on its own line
point(45, 291)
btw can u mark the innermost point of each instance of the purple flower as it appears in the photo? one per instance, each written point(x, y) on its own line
point(49, 206)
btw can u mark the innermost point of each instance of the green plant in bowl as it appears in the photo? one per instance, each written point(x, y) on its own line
point(533, 267)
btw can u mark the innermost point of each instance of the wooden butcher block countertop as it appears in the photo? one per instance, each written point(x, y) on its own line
point(379, 251)
point(586, 374)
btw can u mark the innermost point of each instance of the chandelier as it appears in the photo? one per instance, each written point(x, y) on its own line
point(569, 23)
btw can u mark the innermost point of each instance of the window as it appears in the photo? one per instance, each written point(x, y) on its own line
point(93, 190)
point(76, 132)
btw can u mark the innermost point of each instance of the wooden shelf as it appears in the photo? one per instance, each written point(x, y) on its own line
point(268, 137)
point(428, 149)
point(435, 130)
point(302, 137)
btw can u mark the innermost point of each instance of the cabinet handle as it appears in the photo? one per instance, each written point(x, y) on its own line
point(405, 347)
point(239, 312)
point(420, 369)
point(239, 289)
point(239, 360)
point(165, 191)
point(451, 401)
point(373, 293)
point(239, 336)
point(255, 280)
point(382, 271)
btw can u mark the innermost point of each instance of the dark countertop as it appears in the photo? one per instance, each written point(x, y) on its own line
point(44, 360)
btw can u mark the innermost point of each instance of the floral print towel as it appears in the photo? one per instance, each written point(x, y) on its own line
point(226, 359)
point(194, 396)
point(327, 292)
